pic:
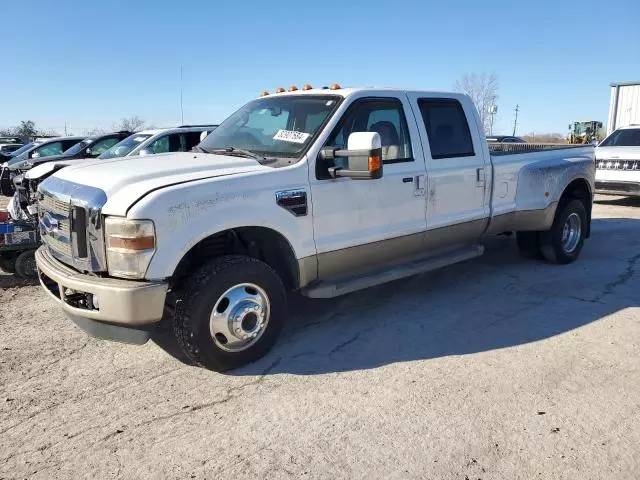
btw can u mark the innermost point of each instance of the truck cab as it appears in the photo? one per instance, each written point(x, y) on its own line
point(325, 191)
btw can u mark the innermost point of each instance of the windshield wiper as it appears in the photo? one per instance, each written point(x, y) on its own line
point(236, 151)
point(240, 152)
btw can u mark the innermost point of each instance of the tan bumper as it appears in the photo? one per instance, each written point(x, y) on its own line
point(121, 302)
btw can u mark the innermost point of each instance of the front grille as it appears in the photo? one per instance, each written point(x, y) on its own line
point(70, 223)
point(618, 164)
point(54, 221)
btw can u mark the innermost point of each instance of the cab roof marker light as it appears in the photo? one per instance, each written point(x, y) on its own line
point(264, 93)
point(335, 86)
point(307, 86)
point(279, 90)
point(293, 88)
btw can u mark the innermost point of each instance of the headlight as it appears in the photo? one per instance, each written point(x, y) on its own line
point(130, 246)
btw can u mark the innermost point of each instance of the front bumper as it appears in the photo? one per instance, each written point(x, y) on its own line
point(610, 187)
point(121, 303)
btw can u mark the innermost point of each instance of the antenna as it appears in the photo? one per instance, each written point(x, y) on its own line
point(181, 95)
point(515, 121)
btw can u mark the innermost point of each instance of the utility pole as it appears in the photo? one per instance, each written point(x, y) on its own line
point(515, 121)
point(65, 129)
point(181, 104)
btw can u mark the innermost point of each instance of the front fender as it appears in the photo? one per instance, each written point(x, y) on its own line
point(184, 215)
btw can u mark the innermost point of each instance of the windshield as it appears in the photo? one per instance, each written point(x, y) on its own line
point(629, 137)
point(123, 148)
point(78, 147)
point(273, 126)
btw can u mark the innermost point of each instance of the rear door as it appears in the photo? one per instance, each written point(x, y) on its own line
point(457, 187)
point(359, 224)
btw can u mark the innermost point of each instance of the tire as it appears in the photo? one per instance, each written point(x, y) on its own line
point(8, 264)
point(554, 246)
point(26, 264)
point(529, 245)
point(221, 284)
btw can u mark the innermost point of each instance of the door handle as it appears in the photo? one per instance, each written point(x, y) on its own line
point(419, 186)
point(480, 177)
point(407, 180)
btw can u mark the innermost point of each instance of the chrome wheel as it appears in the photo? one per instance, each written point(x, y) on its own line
point(239, 317)
point(571, 233)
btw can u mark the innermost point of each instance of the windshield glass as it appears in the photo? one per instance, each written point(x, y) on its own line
point(78, 147)
point(123, 148)
point(273, 126)
point(629, 137)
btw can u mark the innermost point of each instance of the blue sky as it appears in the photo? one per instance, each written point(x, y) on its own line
point(90, 63)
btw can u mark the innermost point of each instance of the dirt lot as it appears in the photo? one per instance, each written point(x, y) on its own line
point(496, 368)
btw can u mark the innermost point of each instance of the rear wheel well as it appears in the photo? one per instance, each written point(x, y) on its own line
point(260, 243)
point(581, 190)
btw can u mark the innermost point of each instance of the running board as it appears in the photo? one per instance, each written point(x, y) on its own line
point(344, 285)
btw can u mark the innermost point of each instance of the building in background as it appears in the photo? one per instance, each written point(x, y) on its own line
point(624, 109)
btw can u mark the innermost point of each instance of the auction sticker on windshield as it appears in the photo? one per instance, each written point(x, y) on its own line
point(291, 136)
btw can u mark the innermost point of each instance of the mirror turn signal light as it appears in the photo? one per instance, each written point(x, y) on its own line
point(375, 163)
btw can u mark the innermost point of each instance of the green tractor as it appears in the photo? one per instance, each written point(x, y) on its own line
point(585, 132)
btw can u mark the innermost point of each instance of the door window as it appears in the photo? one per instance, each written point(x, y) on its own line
point(53, 148)
point(384, 116)
point(190, 140)
point(447, 128)
point(166, 143)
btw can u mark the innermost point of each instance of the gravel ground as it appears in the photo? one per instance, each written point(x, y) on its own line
point(491, 369)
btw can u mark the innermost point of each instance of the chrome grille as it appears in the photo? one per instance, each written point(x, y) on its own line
point(54, 222)
point(618, 164)
point(70, 223)
point(54, 205)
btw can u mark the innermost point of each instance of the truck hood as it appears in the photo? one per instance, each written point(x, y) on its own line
point(615, 153)
point(44, 169)
point(125, 180)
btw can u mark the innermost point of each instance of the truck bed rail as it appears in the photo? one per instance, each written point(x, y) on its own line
point(497, 148)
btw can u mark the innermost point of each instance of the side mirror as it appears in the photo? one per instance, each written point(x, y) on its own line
point(35, 155)
point(364, 157)
point(88, 152)
point(144, 151)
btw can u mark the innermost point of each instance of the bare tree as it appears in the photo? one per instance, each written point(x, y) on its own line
point(483, 90)
point(131, 124)
point(95, 131)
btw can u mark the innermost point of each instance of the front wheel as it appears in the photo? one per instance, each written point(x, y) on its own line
point(230, 312)
point(563, 242)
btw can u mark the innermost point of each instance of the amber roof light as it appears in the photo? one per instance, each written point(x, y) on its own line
point(279, 90)
point(306, 86)
point(335, 86)
point(293, 88)
point(264, 94)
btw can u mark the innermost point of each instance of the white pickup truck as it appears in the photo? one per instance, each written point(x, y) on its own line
point(325, 191)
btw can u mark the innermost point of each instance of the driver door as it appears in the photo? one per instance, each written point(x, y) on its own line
point(361, 224)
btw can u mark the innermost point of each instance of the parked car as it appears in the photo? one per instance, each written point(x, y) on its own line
point(89, 147)
point(618, 163)
point(23, 156)
point(179, 139)
point(505, 139)
point(9, 145)
point(148, 142)
point(325, 191)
